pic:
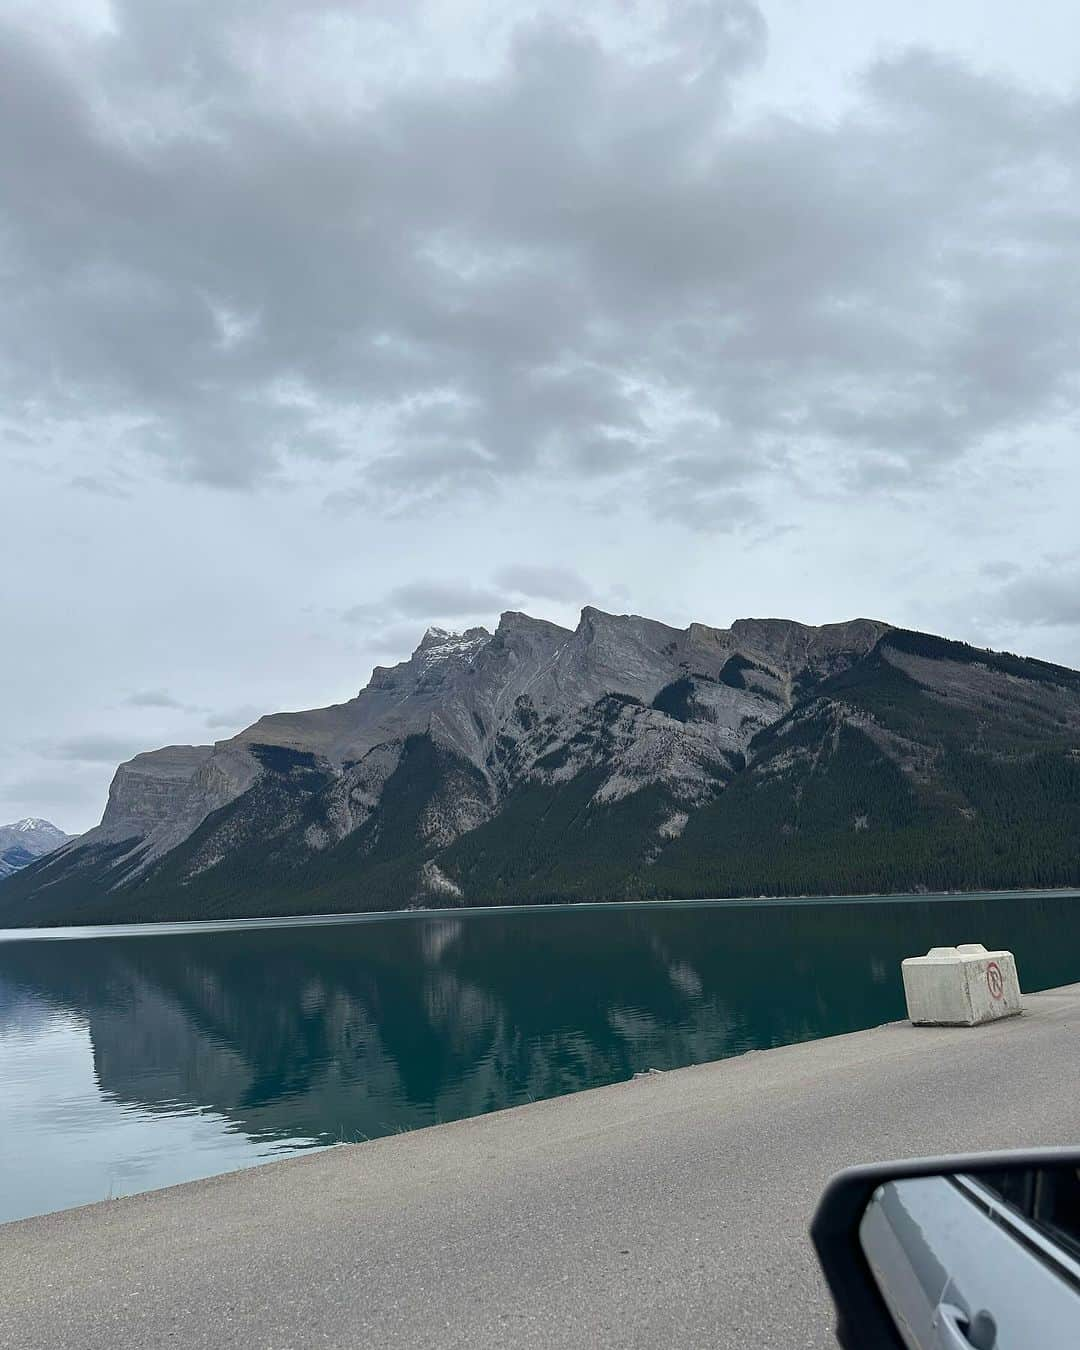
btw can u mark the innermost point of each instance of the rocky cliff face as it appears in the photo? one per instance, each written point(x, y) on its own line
point(631, 698)
point(536, 761)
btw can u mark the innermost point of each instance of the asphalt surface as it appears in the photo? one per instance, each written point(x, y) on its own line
point(670, 1211)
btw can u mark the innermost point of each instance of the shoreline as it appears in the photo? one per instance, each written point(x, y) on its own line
point(670, 1209)
point(170, 927)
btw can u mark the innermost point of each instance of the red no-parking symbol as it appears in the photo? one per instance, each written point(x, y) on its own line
point(994, 981)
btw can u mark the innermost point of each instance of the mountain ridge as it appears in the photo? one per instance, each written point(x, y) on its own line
point(620, 758)
point(24, 841)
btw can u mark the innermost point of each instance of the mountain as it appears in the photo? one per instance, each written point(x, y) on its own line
point(621, 759)
point(26, 840)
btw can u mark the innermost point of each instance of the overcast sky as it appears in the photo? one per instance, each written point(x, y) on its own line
point(322, 323)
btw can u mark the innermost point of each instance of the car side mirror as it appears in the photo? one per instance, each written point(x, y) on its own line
point(974, 1252)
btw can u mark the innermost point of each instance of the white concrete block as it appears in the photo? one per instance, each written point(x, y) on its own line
point(961, 986)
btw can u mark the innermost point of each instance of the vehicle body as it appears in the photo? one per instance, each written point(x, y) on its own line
point(981, 1251)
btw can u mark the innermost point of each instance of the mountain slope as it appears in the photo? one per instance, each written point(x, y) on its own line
point(928, 764)
point(25, 840)
point(622, 759)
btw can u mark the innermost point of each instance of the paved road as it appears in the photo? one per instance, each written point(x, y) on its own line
point(667, 1212)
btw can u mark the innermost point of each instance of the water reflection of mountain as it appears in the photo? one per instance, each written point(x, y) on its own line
point(358, 1030)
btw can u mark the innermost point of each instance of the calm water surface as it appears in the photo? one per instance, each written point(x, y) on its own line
point(140, 1057)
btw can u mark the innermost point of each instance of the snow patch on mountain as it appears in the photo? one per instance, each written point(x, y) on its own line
point(26, 840)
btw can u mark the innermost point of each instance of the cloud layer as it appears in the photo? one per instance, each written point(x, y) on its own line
point(242, 246)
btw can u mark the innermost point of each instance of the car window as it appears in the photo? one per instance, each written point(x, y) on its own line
point(1048, 1197)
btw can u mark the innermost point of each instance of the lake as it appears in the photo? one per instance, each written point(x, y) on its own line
point(137, 1057)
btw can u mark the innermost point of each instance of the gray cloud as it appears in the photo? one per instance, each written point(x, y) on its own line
point(58, 792)
point(99, 486)
point(430, 599)
point(1048, 598)
point(1000, 569)
point(234, 719)
point(94, 749)
point(511, 586)
point(421, 598)
point(537, 581)
point(153, 698)
point(712, 512)
point(562, 260)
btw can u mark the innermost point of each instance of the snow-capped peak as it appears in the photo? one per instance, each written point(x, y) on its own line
point(439, 644)
point(27, 839)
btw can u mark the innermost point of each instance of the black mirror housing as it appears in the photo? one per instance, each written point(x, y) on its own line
point(863, 1317)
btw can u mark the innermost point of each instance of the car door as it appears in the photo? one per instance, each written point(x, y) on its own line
point(962, 1268)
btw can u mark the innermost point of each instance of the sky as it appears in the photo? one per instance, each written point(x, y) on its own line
point(322, 323)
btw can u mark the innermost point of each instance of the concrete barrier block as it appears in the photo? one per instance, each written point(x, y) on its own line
point(961, 986)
